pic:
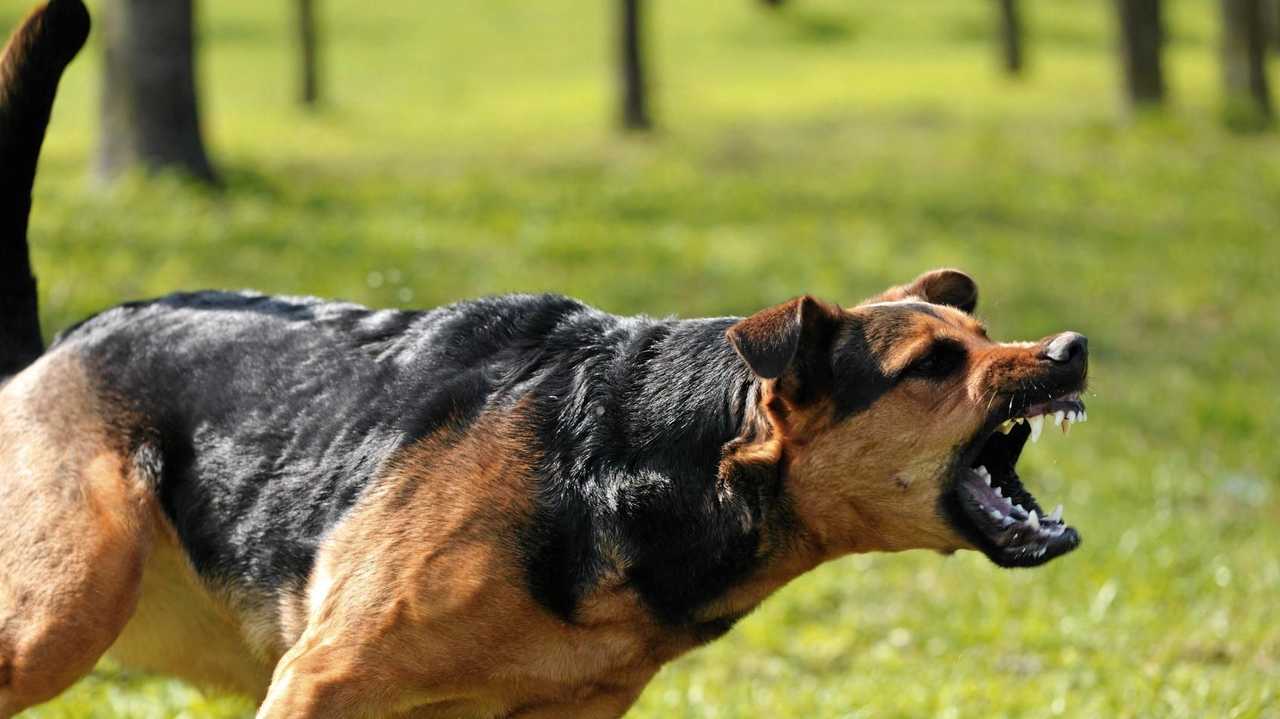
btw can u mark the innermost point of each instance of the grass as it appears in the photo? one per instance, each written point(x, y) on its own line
point(832, 148)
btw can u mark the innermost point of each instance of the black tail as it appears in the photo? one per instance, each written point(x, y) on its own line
point(32, 63)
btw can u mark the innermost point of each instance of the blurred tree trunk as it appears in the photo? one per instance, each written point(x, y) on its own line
point(1271, 12)
point(632, 75)
point(1244, 60)
point(1010, 36)
point(1141, 40)
point(150, 117)
point(310, 50)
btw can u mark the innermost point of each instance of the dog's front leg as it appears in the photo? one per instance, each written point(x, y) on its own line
point(313, 681)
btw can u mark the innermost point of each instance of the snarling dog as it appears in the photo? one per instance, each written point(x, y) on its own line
point(511, 507)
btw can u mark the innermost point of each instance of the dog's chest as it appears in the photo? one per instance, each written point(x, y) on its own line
point(181, 629)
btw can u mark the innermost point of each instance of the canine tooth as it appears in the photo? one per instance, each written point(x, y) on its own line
point(1056, 515)
point(1066, 426)
point(1020, 420)
point(1033, 520)
point(1006, 426)
point(1058, 417)
point(1037, 425)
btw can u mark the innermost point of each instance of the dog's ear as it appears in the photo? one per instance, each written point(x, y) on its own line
point(790, 342)
point(940, 287)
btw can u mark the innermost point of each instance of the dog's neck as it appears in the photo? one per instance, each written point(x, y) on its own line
point(719, 447)
point(659, 471)
point(755, 443)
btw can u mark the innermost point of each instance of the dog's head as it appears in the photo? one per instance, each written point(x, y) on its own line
point(900, 422)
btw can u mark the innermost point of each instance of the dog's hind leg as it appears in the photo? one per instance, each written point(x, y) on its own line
point(76, 523)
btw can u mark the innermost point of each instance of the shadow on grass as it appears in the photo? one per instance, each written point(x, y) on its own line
point(799, 26)
point(820, 28)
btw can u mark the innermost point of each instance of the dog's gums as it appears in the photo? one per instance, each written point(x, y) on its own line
point(1013, 528)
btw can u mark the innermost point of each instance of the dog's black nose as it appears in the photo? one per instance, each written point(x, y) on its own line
point(1066, 347)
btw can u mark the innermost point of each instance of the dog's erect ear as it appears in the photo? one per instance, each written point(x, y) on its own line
point(789, 336)
point(940, 287)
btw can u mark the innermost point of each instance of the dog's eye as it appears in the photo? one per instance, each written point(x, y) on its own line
point(943, 358)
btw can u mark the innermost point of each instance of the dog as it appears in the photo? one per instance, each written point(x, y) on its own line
point(518, 506)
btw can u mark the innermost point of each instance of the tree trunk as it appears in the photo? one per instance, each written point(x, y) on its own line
point(634, 90)
point(309, 45)
point(1244, 60)
point(1141, 40)
point(1010, 36)
point(149, 105)
point(1271, 20)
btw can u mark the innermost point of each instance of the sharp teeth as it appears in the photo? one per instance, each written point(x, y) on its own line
point(1037, 425)
point(1058, 417)
point(1033, 520)
point(982, 472)
point(1006, 426)
point(1056, 515)
point(1020, 420)
point(998, 492)
point(1066, 425)
point(1084, 416)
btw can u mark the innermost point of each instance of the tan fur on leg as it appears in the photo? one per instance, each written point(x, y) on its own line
point(72, 551)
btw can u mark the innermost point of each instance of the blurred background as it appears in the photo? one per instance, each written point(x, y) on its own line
point(1107, 166)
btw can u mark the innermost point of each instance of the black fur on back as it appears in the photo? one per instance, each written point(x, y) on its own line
point(271, 416)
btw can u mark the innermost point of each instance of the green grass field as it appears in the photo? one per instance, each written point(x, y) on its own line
point(833, 148)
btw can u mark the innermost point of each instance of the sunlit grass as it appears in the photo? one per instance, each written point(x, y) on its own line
point(833, 148)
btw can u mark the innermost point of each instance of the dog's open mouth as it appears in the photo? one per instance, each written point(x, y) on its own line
point(989, 501)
